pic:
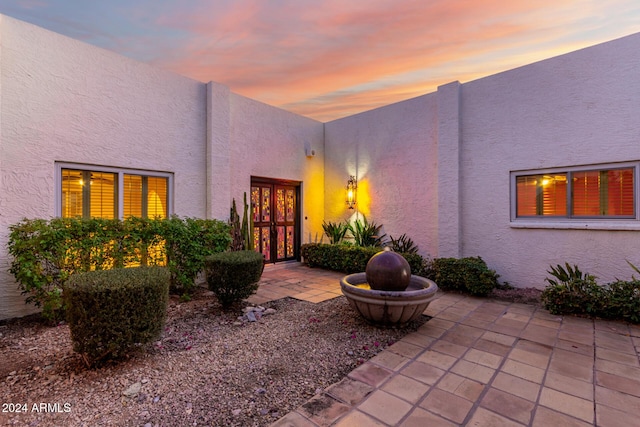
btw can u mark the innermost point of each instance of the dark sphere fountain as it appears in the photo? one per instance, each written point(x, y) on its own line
point(386, 294)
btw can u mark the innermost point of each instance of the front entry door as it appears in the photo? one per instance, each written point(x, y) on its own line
point(275, 219)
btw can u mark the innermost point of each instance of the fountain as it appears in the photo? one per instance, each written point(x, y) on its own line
point(386, 294)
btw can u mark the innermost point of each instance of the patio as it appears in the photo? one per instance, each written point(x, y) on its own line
point(476, 362)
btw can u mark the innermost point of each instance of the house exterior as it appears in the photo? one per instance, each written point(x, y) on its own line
point(530, 167)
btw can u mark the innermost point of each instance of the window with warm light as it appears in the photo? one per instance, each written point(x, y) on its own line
point(594, 192)
point(112, 192)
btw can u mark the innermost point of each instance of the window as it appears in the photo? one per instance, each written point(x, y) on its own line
point(607, 192)
point(90, 192)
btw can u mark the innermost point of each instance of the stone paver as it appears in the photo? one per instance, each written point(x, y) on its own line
point(508, 405)
point(385, 407)
point(447, 405)
point(476, 362)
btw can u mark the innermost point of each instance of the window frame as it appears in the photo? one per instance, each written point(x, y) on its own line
point(119, 172)
point(576, 221)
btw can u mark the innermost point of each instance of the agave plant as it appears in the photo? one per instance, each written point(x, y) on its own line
point(335, 231)
point(366, 233)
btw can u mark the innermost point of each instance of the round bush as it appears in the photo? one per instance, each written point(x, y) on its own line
point(233, 276)
point(111, 311)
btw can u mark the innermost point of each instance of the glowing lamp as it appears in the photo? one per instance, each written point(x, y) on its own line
point(352, 187)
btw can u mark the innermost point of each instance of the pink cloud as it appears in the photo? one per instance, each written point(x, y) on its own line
point(290, 53)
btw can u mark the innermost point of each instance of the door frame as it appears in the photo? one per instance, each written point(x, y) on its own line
point(256, 181)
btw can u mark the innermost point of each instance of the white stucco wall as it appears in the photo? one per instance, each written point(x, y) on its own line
point(270, 142)
point(577, 109)
point(64, 100)
point(438, 167)
point(392, 152)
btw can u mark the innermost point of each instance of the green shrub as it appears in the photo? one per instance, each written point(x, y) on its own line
point(45, 253)
point(623, 300)
point(234, 276)
point(577, 296)
point(573, 292)
point(469, 274)
point(111, 311)
point(350, 258)
point(188, 242)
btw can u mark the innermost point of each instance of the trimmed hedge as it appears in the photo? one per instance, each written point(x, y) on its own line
point(233, 276)
point(469, 275)
point(350, 258)
point(111, 311)
point(623, 300)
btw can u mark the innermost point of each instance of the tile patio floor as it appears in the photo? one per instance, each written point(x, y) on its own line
point(477, 362)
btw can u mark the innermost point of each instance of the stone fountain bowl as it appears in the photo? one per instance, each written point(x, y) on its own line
point(388, 308)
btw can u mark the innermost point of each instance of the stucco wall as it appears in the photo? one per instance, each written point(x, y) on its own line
point(270, 142)
point(576, 109)
point(392, 152)
point(64, 100)
point(438, 167)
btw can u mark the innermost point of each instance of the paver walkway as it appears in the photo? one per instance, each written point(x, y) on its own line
point(477, 362)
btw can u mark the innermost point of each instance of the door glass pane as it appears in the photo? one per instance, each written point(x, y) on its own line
point(256, 239)
point(72, 185)
point(281, 242)
point(280, 205)
point(266, 204)
point(266, 243)
point(290, 205)
point(103, 195)
point(132, 195)
point(290, 240)
point(255, 204)
point(156, 197)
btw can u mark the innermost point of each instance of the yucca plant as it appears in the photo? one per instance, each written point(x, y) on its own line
point(366, 233)
point(335, 231)
point(574, 292)
point(403, 244)
point(568, 276)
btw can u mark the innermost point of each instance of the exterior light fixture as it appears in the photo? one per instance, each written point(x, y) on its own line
point(352, 188)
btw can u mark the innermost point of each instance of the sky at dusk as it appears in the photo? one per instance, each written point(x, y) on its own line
point(327, 59)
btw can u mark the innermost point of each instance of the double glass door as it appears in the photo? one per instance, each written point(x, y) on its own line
point(275, 212)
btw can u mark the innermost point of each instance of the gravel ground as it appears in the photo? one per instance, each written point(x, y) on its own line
point(207, 369)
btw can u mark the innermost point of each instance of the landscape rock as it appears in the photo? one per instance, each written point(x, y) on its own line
point(132, 390)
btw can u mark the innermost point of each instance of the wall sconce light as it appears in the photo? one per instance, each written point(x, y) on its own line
point(352, 188)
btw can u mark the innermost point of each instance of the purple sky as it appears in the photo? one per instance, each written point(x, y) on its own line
point(326, 59)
